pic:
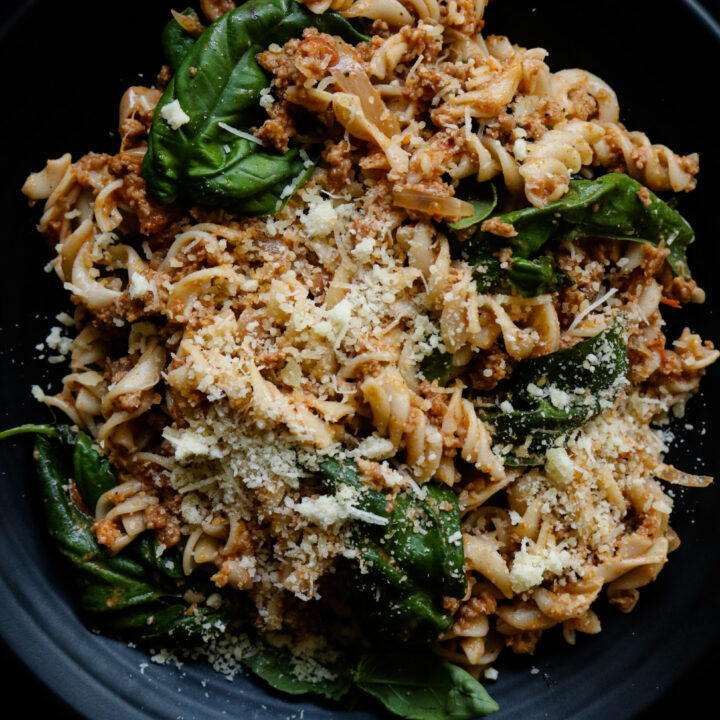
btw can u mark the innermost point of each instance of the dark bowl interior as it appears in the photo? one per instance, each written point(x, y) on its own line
point(66, 66)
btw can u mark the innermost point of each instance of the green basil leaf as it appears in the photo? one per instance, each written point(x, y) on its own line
point(555, 394)
point(609, 207)
point(528, 277)
point(403, 569)
point(424, 536)
point(204, 162)
point(335, 473)
point(423, 687)
point(327, 675)
point(484, 202)
point(176, 42)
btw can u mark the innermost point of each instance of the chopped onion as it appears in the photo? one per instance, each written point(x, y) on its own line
point(137, 96)
point(447, 207)
point(189, 23)
point(350, 77)
point(671, 474)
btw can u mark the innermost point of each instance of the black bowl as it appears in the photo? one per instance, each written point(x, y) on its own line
point(65, 66)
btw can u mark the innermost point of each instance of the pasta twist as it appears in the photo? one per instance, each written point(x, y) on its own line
point(571, 89)
point(401, 415)
point(398, 413)
point(467, 318)
point(120, 514)
point(574, 143)
point(656, 166)
point(558, 154)
point(132, 396)
point(392, 11)
point(462, 423)
point(487, 91)
point(485, 158)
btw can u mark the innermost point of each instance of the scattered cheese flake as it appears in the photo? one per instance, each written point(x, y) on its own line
point(174, 115)
point(240, 133)
point(139, 286)
point(559, 466)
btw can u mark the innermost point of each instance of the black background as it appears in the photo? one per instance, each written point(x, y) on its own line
point(693, 695)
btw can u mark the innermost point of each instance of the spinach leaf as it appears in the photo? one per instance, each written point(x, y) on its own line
point(92, 473)
point(169, 563)
point(329, 676)
point(163, 620)
point(484, 201)
point(534, 277)
point(609, 207)
point(176, 42)
point(553, 395)
point(437, 366)
point(403, 569)
point(122, 594)
point(529, 277)
point(204, 162)
point(423, 687)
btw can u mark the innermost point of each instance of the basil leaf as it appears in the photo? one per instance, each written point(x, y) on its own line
point(609, 207)
point(484, 204)
point(176, 42)
point(202, 161)
point(403, 569)
point(280, 669)
point(557, 393)
point(423, 687)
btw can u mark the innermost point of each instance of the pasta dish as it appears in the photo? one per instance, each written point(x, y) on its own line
point(368, 379)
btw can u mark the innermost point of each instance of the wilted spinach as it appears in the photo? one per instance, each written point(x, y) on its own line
point(437, 366)
point(421, 686)
point(609, 207)
point(403, 569)
point(412, 684)
point(274, 663)
point(484, 199)
point(552, 395)
point(133, 595)
point(218, 83)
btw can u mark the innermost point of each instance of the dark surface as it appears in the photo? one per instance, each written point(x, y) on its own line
point(62, 85)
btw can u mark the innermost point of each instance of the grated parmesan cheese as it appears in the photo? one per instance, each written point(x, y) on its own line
point(138, 286)
point(174, 115)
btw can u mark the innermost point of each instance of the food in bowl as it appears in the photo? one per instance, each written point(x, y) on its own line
point(368, 376)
